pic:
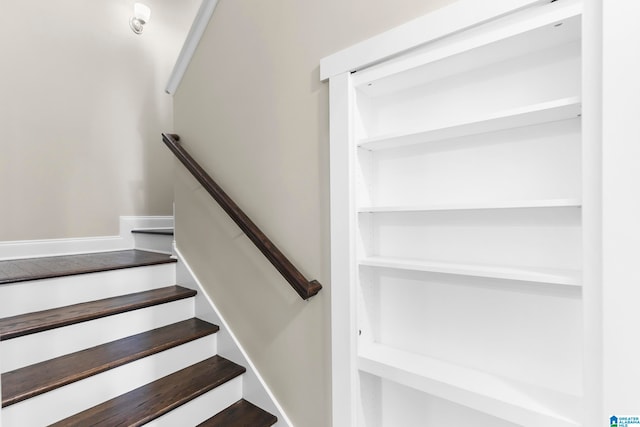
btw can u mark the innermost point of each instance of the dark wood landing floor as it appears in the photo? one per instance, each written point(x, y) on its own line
point(44, 268)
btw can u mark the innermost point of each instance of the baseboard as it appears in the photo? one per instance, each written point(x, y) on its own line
point(255, 388)
point(55, 247)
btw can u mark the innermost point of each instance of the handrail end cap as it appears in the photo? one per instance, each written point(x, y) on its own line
point(313, 289)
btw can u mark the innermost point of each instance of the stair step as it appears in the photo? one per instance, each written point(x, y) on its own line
point(30, 323)
point(21, 270)
point(24, 383)
point(160, 231)
point(241, 414)
point(153, 400)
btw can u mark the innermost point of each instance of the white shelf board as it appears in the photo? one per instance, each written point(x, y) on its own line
point(527, 274)
point(518, 402)
point(514, 204)
point(559, 109)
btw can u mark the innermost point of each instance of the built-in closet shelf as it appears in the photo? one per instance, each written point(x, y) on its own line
point(559, 109)
point(512, 204)
point(461, 236)
point(527, 274)
point(518, 402)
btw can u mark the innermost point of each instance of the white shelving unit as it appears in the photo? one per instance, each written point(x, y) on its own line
point(479, 390)
point(558, 277)
point(515, 204)
point(560, 109)
point(457, 235)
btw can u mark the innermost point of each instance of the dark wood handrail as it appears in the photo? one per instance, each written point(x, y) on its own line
point(305, 288)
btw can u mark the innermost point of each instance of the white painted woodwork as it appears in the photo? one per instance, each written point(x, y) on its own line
point(457, 187)
point(344, 374)
point(200, 23)
point(398, 405)
point(36, 295)
point(536, 238)
point(500, 39)
point(550, 111)
point(533, 89)
point(34, 348)
point(524, 331)
point(542, 275)
point(53, 247)
point(521, 404)
point(508, 167)
point(456, 17)
point(203, 407)
point(592, 142)
point(65, 401)
point(161, 243)
point(515, 204)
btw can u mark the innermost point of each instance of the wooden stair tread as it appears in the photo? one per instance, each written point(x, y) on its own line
point(241, 414)
point(160, 231)
point(20, 270)
point(33, 380)
point(155, 399)
point(25, 324)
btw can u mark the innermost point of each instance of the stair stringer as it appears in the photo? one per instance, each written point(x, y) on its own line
point(255, 388)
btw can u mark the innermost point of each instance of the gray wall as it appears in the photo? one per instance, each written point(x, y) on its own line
point(81, 112)
point(252, 110)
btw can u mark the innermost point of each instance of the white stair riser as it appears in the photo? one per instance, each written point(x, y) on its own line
point(203, 407)
point(25, 297)
point(34, 348)
point(70, 399)
point(153, 242)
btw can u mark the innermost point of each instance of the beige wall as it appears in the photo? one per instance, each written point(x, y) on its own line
point(252, 110)
point(81, 110)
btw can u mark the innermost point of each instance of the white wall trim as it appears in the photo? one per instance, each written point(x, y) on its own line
point(255, 389)
point(190, 44)
point(456, 17)
point(55, 247)
point(343, 251)
point(592, 213)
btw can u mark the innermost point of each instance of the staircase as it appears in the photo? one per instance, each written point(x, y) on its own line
point(109, 339)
